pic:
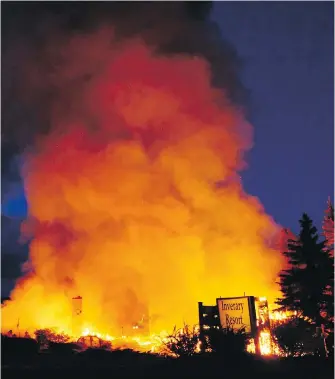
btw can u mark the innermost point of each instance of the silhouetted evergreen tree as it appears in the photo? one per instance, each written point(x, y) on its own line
point(307, 284)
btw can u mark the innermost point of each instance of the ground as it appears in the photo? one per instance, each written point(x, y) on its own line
point(128, 364)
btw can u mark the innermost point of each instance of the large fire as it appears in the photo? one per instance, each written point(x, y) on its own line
point(135, 199)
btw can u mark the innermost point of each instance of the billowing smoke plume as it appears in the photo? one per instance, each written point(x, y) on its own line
point(33, 35)
point(135, 199)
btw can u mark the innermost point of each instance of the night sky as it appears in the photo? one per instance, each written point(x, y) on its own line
point(287, 52)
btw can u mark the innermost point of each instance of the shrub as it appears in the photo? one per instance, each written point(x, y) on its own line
point(45, 336)
point(294, 337)
point(226, 341)
point(182, 342)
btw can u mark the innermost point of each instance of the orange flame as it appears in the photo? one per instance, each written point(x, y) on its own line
point(135, 198)
point(265, 342)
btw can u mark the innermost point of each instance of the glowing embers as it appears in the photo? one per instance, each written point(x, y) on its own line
point(251, 347)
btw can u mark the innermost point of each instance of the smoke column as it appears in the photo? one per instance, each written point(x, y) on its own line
point(135, 199)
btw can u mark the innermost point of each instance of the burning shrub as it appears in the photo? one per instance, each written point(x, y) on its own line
point(45, 336)
point(294, 337)
point(182, 342)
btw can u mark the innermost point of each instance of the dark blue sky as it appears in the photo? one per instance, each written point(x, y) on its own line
point(288, 55)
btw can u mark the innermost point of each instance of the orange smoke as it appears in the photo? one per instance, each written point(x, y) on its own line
point(135, 201)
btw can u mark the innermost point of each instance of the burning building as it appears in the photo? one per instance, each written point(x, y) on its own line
point(208, 317)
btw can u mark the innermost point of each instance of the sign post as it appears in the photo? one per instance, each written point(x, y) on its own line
point(238, 313)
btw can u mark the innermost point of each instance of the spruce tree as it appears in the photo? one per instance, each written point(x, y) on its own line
point(306, 283)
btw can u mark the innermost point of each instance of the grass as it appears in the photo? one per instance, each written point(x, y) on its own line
point(22, 359)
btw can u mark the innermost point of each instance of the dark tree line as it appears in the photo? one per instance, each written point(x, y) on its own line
point(307, 285)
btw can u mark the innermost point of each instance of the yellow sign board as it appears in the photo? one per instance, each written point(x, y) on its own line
point(235, 313)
